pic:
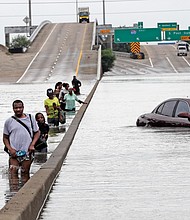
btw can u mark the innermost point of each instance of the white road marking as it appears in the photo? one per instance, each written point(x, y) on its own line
point(151, 64)
point(171, 65)
point(186, 61)
point(36, 55)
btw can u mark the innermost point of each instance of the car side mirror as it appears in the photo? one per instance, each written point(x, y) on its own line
point(184, 115)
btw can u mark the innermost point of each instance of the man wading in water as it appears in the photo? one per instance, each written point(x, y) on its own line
point(19, 136)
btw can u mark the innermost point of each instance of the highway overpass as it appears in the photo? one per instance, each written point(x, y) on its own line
point(58, 52)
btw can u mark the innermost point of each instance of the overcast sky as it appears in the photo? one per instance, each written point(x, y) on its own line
point(117, 13)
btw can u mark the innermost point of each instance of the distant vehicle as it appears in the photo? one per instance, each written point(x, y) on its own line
point(182, 50)
point(84, 14)
point(173, 112)
point(183, 43)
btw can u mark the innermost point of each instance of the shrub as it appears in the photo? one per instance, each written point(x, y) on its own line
point(20, 41)
point(108, 58)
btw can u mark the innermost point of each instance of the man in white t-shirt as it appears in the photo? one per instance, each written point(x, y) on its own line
point(20, 134)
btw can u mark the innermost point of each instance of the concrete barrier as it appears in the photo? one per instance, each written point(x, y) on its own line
point(38, 29)
point(29, 200)
point(99, 69)
point(93, 35)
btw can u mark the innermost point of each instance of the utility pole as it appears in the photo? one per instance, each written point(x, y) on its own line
point(30, 17)
point(77, 10)
point(103, 12)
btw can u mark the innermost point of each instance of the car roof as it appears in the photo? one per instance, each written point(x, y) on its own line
point(178, 99)
point(172, 99)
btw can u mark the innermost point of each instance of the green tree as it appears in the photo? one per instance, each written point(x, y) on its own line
point(20, 41)
point(108, 58)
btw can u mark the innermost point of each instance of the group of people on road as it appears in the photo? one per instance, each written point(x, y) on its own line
point(23, 134)
point(62, 98)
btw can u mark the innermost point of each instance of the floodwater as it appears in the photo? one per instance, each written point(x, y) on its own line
point(115, 170)
point(33, 96)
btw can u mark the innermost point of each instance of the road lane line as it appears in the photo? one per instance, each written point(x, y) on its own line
point(186, 61)
point(36, 55)
point(78, 63)
point(171, 65)
point(80, 55)
point(151, 64)
point(150, 60)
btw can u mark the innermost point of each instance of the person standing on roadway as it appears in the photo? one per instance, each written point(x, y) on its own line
point(76, 85)
point(70, 99)
point(62, 94)
point(20, 134)
point(58, 88)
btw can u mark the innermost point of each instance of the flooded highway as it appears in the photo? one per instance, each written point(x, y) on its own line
point(115, 170)
point(33, 102)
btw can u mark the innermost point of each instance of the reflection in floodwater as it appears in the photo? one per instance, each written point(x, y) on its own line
point(54, 131)
point(40, 158)
point(15, 183)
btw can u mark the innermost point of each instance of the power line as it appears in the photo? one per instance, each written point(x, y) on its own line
point(65, 2)
point(108, 13)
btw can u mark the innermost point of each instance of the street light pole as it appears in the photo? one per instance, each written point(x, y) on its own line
point(103, 12)
point(30, 14)
point(77, 10)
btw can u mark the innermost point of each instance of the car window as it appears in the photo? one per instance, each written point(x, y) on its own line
point(159, 109)
point(166, 108)
point(181, 107)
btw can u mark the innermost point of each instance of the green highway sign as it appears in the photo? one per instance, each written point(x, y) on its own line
point(167, 26)
point(176, 35)
point(126, 35)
